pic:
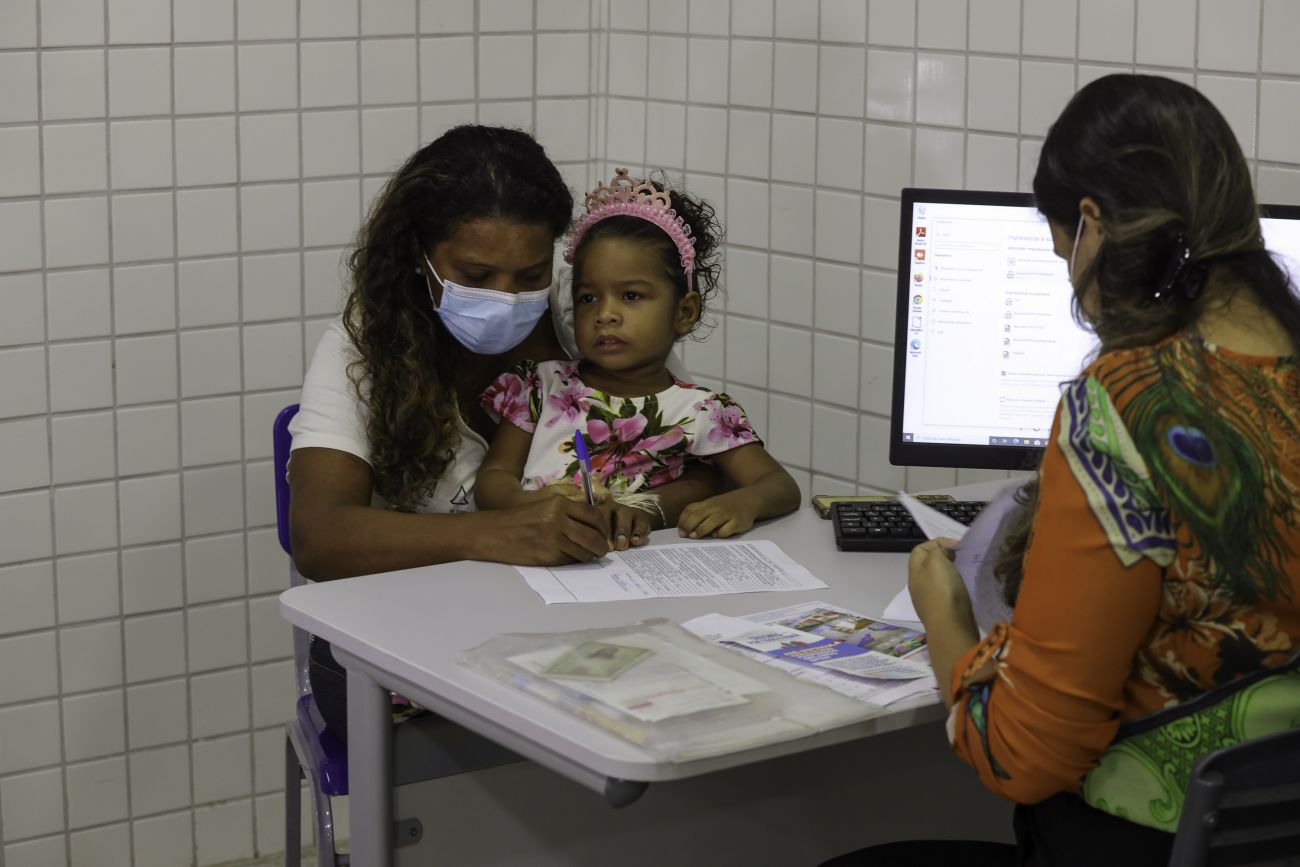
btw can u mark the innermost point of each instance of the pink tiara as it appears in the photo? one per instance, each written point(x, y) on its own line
point(625, 197)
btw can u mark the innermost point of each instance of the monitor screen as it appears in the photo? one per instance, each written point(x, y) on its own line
point(984, 332)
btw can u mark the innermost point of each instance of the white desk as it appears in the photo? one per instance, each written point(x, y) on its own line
point(404, 631)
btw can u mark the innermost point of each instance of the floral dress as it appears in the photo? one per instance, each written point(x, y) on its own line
point(1158, 618)
point(634, 443)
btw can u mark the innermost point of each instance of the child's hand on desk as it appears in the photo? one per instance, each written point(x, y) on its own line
point(628, 527)
point(721, 516)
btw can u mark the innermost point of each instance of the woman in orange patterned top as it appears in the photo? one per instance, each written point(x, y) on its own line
point(1156, 576)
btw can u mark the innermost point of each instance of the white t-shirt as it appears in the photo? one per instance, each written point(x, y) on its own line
point(330, 416)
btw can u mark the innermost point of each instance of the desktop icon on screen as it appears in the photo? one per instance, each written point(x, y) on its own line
point(916, 299)
point(919, 254)
point(920, 231)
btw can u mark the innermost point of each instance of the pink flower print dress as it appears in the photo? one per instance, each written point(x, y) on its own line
point(635, 443)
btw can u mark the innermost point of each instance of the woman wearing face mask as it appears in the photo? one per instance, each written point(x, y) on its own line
point(450, 283)
point(1155, 575)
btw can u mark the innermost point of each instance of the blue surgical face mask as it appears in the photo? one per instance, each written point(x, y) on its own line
point(487, 321)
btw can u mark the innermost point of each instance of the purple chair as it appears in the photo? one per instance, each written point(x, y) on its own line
point(426, 748)
point(310, 750)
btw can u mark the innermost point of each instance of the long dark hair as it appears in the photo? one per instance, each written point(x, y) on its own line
point(706, 231)
point(1168, 175)
point(408, 364)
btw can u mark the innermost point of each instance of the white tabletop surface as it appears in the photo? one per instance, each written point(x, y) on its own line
point(409, 627)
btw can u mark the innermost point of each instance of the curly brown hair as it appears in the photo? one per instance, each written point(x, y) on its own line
point(706, 234)
point(1166, 172)
point(407, 363)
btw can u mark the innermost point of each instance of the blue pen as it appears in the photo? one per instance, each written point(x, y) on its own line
point(584, 466)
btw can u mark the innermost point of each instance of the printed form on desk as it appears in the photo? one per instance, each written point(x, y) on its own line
point(705, 568)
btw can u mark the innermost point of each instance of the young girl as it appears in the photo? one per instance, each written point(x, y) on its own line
point(644, 259)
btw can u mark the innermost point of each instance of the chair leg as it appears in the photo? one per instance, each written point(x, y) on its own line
point(320, 803)
point(292, 806)
point(326, 855)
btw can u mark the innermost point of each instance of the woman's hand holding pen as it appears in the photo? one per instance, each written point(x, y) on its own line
point(628, 527)
point(548, 531)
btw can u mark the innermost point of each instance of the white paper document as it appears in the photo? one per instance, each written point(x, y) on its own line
point(932, 522)
point(707, 568)
point(901, 607)
point(977, 554)
point(974, 558)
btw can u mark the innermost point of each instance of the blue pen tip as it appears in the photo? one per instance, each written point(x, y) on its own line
point(580, 446)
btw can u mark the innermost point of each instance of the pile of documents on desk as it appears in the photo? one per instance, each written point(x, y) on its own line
point(665, 690)
point(865, 659)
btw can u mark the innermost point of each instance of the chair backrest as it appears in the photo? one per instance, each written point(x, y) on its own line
point(1243, 805)
point(281, 442)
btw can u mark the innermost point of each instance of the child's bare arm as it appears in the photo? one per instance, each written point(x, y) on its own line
point(498, 483)
point(763, 490)
point(698, 482)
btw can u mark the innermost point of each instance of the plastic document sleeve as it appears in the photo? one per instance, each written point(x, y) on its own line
point(663, 689)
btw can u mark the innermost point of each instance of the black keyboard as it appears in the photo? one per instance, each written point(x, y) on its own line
point(887, 526)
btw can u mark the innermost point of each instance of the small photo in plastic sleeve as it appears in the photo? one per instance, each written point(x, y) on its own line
point(597, 660)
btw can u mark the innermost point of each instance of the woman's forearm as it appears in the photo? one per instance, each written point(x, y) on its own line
point(348, 540)
point(950, 632)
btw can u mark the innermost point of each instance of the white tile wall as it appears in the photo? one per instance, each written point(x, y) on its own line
point(182, 178)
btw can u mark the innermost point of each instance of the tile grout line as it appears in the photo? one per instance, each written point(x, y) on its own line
point(113, 325)
point(49, 403)
point(244, 603)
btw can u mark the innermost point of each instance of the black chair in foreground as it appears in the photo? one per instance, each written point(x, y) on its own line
point(1243, 806)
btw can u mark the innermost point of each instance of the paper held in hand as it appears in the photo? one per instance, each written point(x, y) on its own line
point(933, 523)
point(975, 553)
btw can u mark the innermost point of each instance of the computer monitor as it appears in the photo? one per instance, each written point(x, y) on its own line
point(984, 332)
